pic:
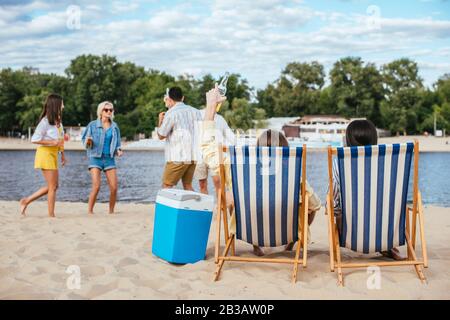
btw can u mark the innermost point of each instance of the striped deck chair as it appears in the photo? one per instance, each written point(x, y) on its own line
point(373, 182)
point(267, 184)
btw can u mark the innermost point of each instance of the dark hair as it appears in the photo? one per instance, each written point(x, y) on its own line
point(52, 109)
point(272, 138)
point(176, 94)
point(361, 133)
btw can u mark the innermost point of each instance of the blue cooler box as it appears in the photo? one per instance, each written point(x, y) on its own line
point(181, 226)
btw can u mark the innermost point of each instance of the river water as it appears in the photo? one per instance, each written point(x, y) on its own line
point(140, 175)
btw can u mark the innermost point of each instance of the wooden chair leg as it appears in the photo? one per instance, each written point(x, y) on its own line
point(408, 230)
point(330, 234)
point(297, 256)
point(305, 232)
point(221, 260)
point(417, 267)
point(413, 229)
point(219, 212)
point(338, 258)
point(422, 232)
point(233, 246)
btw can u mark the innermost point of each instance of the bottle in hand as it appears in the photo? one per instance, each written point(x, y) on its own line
point(89, 142)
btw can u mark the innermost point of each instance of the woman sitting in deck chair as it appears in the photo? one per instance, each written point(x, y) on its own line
point(274, 138)
point(269, 138)
point(369, 184)
point(358, 133)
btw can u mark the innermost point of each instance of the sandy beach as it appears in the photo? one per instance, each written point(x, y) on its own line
point(426, 144)
point(114, 255)
point(18, 144)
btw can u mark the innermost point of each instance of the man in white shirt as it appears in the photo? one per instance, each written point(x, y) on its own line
point(178, 127)
point(226, 137)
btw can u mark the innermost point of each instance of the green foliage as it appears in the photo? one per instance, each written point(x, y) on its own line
point(356, 89)
point(392, 96)
point(244, 115)
point(296, 92)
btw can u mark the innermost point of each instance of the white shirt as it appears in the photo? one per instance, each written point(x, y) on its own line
point(225, 135)
point(180, 129)
point(45, 131)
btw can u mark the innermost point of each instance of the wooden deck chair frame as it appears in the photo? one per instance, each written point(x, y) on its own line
point(415, 212)
point(230, 240)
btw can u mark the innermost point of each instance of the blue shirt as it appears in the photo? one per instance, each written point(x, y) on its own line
point(107, 142)
point(95, 130)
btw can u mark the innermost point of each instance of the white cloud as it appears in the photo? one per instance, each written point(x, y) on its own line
point(254, 38)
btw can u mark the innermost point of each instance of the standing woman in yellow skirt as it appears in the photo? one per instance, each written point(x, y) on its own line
point(49, 135)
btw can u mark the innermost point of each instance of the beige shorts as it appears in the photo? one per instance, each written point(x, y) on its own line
point(201, 171)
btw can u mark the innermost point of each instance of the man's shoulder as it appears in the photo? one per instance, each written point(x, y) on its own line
point(191, 109)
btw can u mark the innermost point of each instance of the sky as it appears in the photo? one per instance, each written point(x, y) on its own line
point(255, 38)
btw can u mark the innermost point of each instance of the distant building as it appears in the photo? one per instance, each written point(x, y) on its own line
point(278, 123)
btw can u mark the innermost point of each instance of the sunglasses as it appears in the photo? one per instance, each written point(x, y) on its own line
point(108, 110)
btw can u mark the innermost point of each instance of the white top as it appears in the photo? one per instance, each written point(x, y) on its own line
point(180, 129)
point(45, 131)
point(225, 135)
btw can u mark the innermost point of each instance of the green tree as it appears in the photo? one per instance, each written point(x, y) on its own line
point(243, 115)
point(356, 88)
point(296, 92)
point(404, 92)
point(30, 108)
point(98, 78)
point(14, 85)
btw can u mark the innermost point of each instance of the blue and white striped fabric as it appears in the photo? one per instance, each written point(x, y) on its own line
point(266, 185)
point(374, 187)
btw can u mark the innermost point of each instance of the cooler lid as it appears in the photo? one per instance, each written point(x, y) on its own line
point(182, 199)
point(179, 195)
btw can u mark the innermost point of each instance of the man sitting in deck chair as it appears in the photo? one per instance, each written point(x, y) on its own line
point(268, 207)
point(368, 199)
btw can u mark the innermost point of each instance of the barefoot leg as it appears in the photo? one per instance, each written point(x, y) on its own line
point(24, 202)
point(96, 181)
point(258, 251)
point(51, 176)
point(111, 176)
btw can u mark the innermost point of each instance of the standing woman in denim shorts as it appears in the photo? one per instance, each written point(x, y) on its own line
point(102, 141)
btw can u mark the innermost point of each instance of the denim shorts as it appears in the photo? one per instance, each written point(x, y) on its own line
point(104, 163)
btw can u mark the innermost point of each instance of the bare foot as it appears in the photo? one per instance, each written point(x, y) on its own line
point(289, 246)
point(394, 254)
point(257, 251)
point(51, 216)
point(23, 206)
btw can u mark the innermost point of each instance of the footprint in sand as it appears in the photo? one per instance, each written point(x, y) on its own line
point(99, 289)
point(126, 262)
point(92, 271)
point(85, 246)
point(45, 257)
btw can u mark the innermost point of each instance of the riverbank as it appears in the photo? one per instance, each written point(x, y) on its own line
point(115, 260)
point(19, 144)
point(426, 144)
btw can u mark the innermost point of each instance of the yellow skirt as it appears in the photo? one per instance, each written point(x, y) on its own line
point(46, 158)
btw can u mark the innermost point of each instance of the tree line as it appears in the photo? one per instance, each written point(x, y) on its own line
point(393, 95)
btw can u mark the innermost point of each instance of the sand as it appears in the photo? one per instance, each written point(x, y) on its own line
point(426, 144)
point(113, 253)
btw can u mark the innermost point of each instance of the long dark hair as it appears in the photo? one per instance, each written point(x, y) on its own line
point(361, 133)
point(52, 109)
point(272, 138)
